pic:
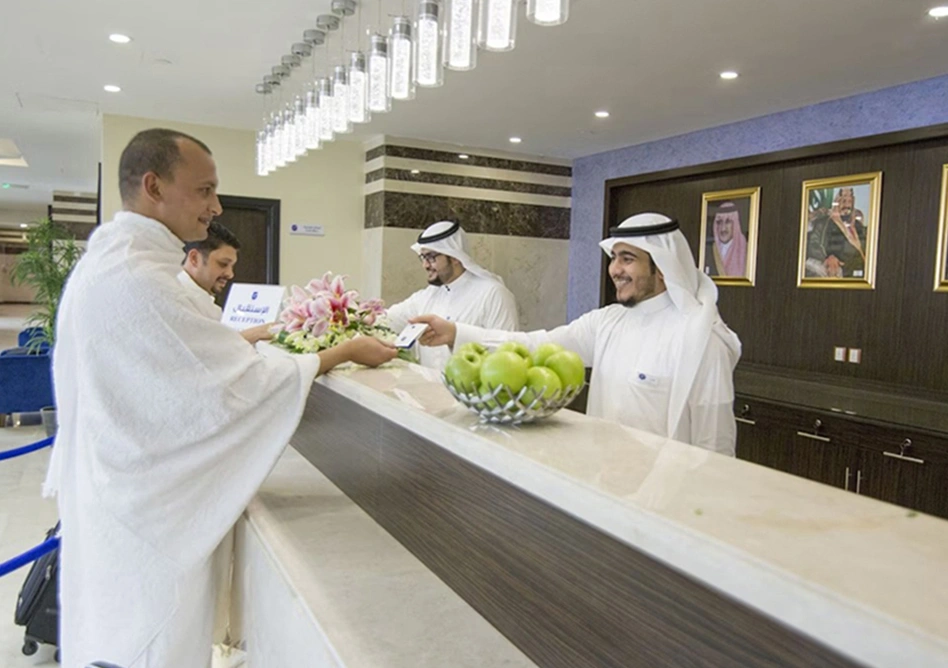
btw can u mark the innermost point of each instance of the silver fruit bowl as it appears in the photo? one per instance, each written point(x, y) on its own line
point(511, 408)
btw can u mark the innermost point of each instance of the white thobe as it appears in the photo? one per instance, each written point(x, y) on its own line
point(168, 424)
point(203, 300)
point(469, 299)
point(633, 353)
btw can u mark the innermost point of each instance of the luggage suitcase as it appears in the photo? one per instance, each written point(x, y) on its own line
point(37, 607)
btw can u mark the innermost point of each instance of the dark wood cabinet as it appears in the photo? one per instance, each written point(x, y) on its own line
point(901, 466)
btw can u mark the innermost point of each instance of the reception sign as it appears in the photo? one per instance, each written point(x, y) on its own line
point(249, 305)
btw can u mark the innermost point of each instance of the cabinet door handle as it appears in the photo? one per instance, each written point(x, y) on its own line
point(815, 437)
point(745, 420)
point(858, 481)
point(848, 476)
point(895, 455)
point(906, 444)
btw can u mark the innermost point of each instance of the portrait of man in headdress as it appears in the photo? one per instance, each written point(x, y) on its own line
point(839, 227)
point(728, 236)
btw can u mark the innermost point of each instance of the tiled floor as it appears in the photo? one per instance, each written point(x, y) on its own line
point(25, 517)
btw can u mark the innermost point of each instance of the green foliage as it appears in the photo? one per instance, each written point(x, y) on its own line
point(51, 255)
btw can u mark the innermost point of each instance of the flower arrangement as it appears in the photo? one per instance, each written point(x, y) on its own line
point(324, 314)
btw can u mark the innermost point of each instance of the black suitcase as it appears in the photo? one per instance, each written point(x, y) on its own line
point(37, 607)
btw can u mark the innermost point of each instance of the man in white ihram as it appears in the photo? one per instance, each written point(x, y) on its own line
point(458, 289)
point(168, 422)
point(662, 358)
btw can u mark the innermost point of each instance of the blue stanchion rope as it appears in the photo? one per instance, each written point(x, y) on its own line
point(29, 556)
point(32, 447)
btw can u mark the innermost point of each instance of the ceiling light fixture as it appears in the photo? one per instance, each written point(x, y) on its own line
point(459, 34)
point(429, 68)
point(602, 114)
point(110, 88)
point(548, 12)
point(515, 140)
point(463, 156)
point(119, 38)
point(24, 225)
point(416, 171)
point(938, 12)
point(729, 75)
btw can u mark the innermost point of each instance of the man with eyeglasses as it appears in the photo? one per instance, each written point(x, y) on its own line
point(458, 290)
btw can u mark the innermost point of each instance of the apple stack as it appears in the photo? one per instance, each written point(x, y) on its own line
point(512, 382)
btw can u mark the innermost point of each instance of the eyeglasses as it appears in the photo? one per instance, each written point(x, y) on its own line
point(428, 258)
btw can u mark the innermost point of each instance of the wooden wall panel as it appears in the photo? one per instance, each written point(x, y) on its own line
point(900, 326)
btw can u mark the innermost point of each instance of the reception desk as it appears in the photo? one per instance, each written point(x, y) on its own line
point(579, 542)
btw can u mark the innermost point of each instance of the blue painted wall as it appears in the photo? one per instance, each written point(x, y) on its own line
point(903, 107)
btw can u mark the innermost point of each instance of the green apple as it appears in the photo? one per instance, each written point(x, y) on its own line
point(569, 367)
point(541, 382)
point(543, 351)
point(519, 348)
point(463, 370)
point(493, 402)
point(475, 347)
point(504, 368)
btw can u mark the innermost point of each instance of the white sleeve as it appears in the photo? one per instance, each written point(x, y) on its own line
point(399, 314)
point(500, 311)
point(578, 336)
point(711, 403)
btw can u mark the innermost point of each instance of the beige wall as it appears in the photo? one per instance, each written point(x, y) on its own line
point(533, 269)
point(324, 188)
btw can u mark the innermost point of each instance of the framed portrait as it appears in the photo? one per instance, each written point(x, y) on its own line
point(941, 262)
point(728, 250)
point(839, 230)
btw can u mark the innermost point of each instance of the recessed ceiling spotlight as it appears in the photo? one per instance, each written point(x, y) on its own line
point(729, 75)
point(515, 140)
point(463, 156)
point(24, 225)
point(119, 38)
point(109, 88)
point(416, 171)
point(938, 12)
point(602, 114)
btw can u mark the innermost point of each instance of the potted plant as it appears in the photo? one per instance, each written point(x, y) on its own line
point(51, 255)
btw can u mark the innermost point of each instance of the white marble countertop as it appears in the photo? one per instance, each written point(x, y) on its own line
point(372, 600)
point(863, 577)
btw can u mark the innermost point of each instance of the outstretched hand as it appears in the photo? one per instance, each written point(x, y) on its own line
point(369, 351)
point(440, 332)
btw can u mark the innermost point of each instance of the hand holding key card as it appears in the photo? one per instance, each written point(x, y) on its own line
point(410, 334)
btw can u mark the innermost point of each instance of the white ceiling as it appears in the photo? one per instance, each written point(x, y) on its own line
point(653, 64)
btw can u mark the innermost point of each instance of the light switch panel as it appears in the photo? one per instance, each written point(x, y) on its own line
point(855, 355)
point(839, 354)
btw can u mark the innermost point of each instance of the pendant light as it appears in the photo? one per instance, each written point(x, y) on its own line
point(429, 68)
point(497, 26)
point(548, 12)
point(400, 46)
point(459, 34)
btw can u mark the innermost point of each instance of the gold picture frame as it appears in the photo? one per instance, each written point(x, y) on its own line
point(838, 239)
point(738, 263)
point(941, 261)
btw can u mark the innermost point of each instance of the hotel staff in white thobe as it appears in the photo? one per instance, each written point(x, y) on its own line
point(458, 289)
point(662, 358)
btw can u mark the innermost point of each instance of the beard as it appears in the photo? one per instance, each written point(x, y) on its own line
point(436, 281)
point(648, 289)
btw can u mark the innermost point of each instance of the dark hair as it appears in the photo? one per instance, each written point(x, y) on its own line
point(217, 236)
point(154, 150)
